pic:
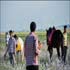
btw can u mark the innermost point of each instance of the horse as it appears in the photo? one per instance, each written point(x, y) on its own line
point(56, 42)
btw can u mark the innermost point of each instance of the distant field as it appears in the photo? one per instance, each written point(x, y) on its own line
point(41, 36)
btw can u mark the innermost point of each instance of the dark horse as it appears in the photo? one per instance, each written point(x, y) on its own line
point(56, 42)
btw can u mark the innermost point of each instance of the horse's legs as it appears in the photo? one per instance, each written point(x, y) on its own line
point(62, 52)
point(51, 52)
point(58, 53)
point(50, 49)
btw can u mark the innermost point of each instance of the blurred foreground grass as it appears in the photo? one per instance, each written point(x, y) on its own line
point(43, 58)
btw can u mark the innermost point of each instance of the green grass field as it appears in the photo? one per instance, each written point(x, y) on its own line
point(43, 58)
point(41, 36)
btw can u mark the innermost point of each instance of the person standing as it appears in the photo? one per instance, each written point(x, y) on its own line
point(11, 49)
point(65, 43)
point(7, 36)
point(19, 48)
point(31, 49)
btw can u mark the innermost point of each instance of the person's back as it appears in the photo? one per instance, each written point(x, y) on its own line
point(21, 47)
point(11, 45)
point(21, 42)
point(30, 50)
point(18, 47)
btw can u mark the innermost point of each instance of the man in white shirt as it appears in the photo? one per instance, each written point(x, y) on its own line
point(7, 36)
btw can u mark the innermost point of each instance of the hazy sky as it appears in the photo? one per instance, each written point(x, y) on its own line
point(17, 15)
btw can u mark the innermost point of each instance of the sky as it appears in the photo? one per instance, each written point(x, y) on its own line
point(17, 15)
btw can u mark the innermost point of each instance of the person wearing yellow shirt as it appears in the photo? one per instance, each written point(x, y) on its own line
point(19, 48)
point(65, 44)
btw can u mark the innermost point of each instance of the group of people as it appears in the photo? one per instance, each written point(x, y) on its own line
point(14, 45)
point(29, 49)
